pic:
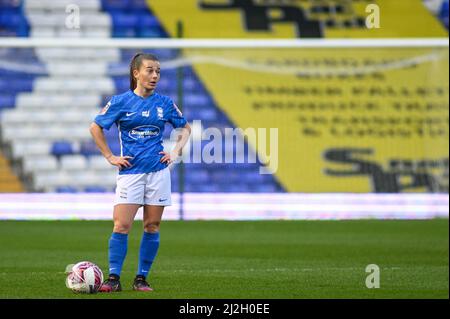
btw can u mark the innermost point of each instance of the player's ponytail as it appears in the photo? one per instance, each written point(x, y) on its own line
point(135, 64)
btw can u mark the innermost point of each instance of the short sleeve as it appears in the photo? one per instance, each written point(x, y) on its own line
point(175, 116)
point(109, 114)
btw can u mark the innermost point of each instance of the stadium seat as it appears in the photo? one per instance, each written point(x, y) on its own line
point(53, 84)
point(138, 5)
point(124, 32)
point(7, 101)
point(54, 102)
point(23, 148)
point(198, 176)
point(73, 162)
point(60, 5)
point(99, 163)
point(66, 189)
point(115, 5)
point(124, 20)
point(444, 13)
point(88, 148)
point(148, 21)
point(77, 54)
point(51, 180)
point(32, 163)
point(56, 90)
point(197, 100)
point(95, 189)
point(150, 32)
point(62, 148)
point(264, 188)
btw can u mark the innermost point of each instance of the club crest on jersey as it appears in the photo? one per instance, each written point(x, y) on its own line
point(146, 113)
point(160, 112)
point(105, 108)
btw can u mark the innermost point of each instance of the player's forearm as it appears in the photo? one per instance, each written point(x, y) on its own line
point(182, 139)
point(100, 140)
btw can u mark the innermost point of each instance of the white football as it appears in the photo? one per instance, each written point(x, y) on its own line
point(84, 277)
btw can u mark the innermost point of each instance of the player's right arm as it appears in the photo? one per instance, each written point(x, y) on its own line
point(107, 116)
point(100, 141)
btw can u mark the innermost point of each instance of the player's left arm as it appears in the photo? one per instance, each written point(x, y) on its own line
point(183, 137)
point(175, 117)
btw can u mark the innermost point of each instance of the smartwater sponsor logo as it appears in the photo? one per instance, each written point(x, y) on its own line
point(144, 132)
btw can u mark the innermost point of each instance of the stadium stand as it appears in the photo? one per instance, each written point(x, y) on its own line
point(47, 101)
point(9, 182)
point(440, 9)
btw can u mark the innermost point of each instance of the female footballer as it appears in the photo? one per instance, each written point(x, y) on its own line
point(144, 177)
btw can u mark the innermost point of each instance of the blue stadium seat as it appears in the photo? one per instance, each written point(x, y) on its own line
point(66, 189)
point(225, 176)
point(124, 20)
point(7, 100)
point(13, 22)
point(115, 5)
point(95, 189)
point(62, 148)
point(235, 188)
point(150, 32)
point(197, 177)
point(121, 83)
point(197, 99)
point(22, 85)
point(88, 148)
point(138, 5)
point(122, 32)
point(149, 21)
point(3, 85)
point(11, 19)
point(264, 188)
point(202, 188)
point(11, 4)
point(444, 13)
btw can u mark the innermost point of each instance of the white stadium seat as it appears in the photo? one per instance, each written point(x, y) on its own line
point(73, 162)
point(46, 132)
point(47, 118)
point(87, 20)
point(22, 148)
point(43, 20)
point(97, 32)
point(56, 84)
point(63, 103)
point(13, 116)
point(92, 178)
point(51, 179)
point(40, 163)
point(73, 69)
point(32, 100)
point(61, 5)
point(99, 163)
point(76, 54)
point(42, 32)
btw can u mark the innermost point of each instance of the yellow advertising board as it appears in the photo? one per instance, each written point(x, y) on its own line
point(296, 18)
point(348, 120)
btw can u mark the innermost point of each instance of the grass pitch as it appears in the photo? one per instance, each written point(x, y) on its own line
point(248, 259)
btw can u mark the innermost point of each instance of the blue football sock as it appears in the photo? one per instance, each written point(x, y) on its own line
point(118, 244)
point(147, 253)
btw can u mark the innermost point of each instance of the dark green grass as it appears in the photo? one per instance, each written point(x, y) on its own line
point(217, 259)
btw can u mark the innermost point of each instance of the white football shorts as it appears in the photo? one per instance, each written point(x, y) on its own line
point(144, 189)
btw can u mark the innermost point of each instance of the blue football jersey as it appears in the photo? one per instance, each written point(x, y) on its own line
point(140, 122)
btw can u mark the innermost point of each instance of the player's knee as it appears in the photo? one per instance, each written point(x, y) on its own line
point(152, 226)
point(123, 228)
